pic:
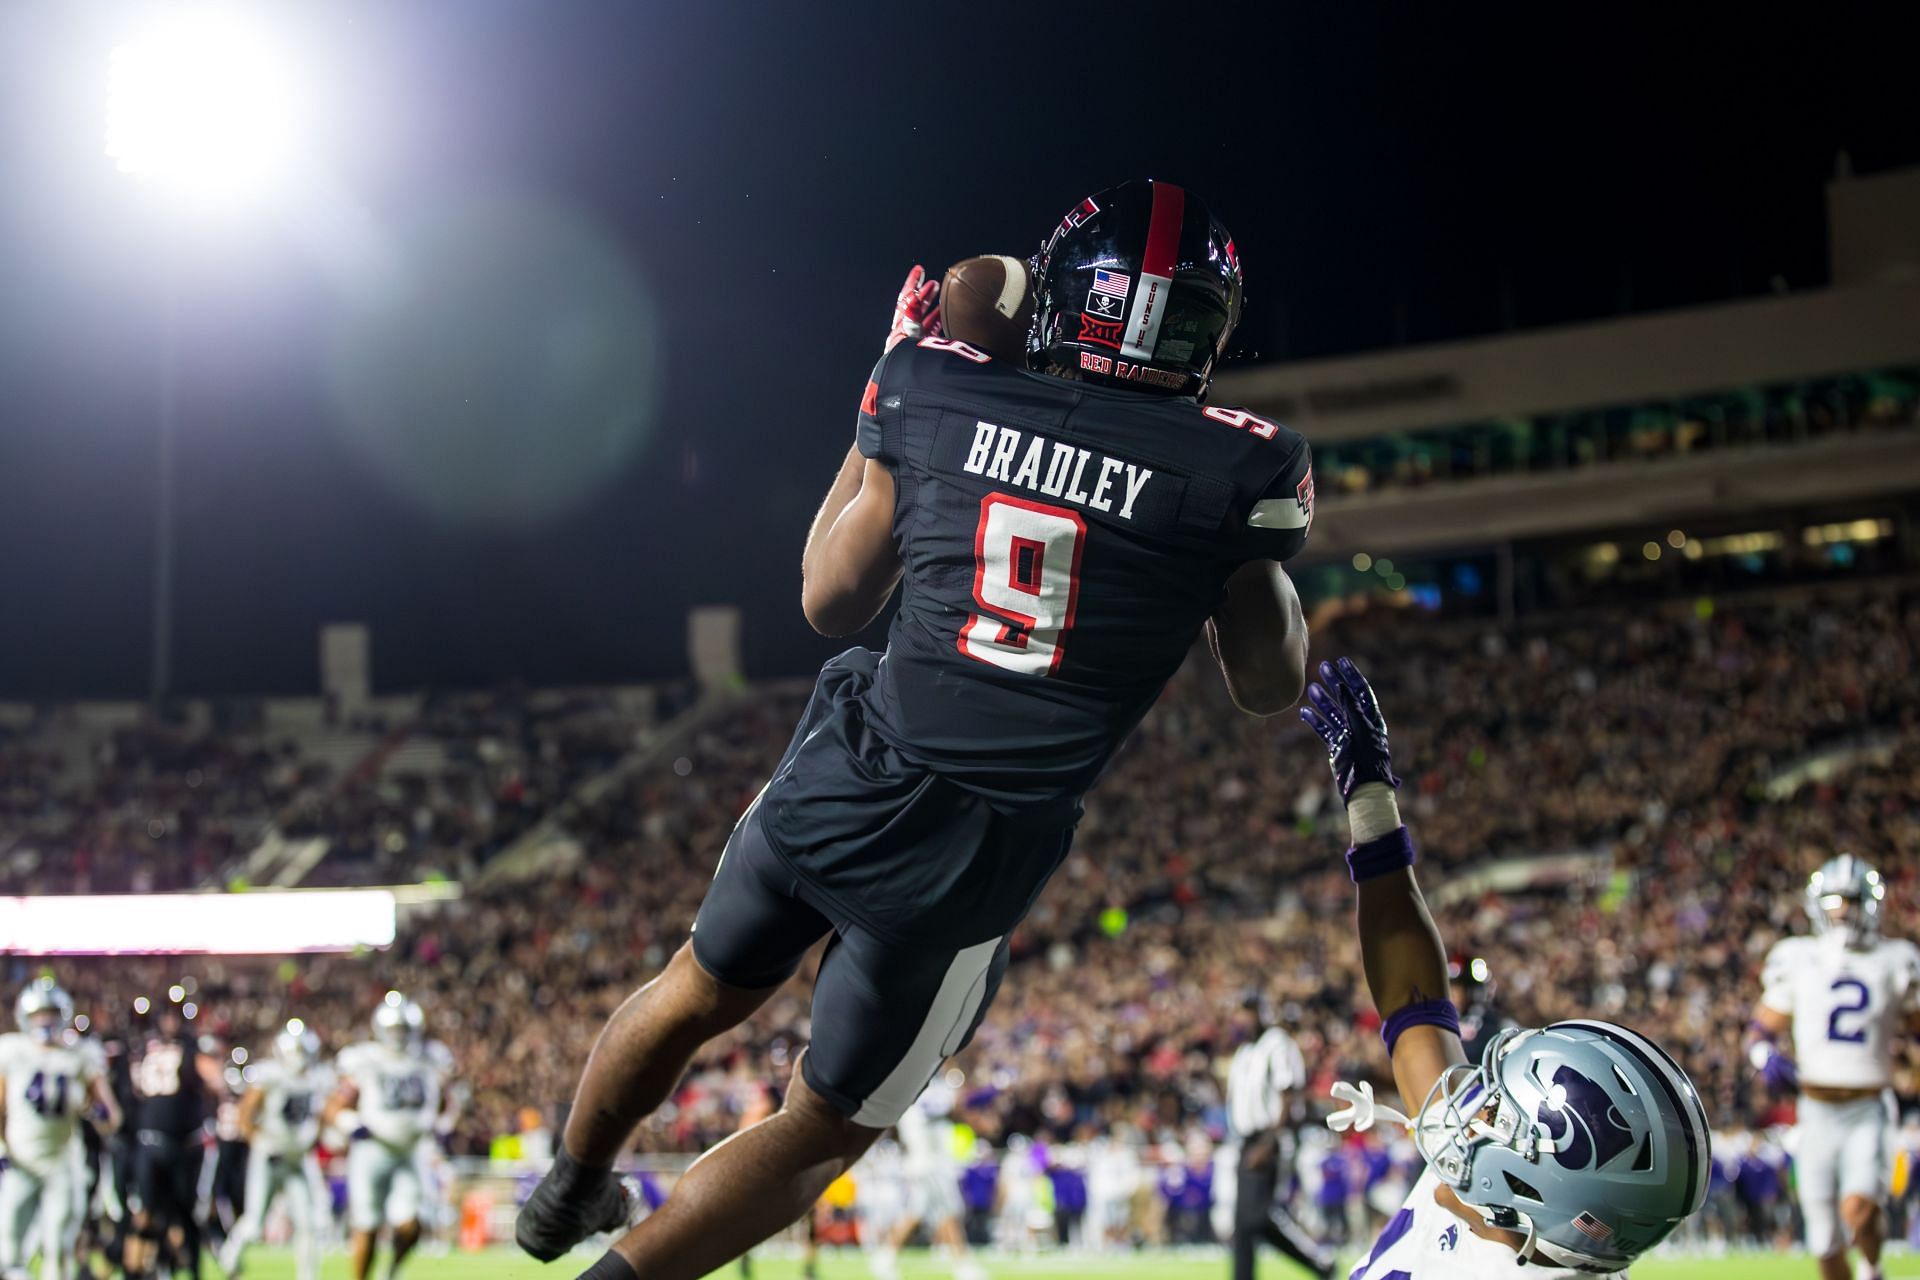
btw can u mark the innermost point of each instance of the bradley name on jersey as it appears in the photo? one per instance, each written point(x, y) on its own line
point(1055, 469)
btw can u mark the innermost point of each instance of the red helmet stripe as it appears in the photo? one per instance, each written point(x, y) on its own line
point(1163, 230)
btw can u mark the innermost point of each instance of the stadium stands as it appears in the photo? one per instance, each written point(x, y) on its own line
point(1783, 415)
point(1691, 762)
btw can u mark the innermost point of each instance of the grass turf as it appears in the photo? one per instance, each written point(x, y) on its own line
point(506, 1264)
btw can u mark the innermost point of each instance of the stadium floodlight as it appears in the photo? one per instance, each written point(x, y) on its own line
point(202, 103)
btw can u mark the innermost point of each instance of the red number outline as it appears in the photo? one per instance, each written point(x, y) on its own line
point(1009, 636)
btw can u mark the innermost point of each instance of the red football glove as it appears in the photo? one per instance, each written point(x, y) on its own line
point(916, 313)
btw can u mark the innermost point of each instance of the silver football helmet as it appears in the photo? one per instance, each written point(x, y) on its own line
point(1846, 896)
point(296, 1045)
point(44, 1011)
point(1584, 1135)
point(398, 1023)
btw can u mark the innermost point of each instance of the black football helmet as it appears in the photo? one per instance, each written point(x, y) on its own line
point(1138, 286)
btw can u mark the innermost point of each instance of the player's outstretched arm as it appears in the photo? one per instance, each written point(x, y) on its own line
point(850, 567)
point(1400, 948)
point(1259, 638)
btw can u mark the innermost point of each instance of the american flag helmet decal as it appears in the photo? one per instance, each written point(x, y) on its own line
point(1591, 1227)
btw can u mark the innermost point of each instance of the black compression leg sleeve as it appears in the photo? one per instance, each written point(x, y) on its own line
point(611, 1266)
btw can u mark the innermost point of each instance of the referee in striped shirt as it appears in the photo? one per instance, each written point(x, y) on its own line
point(1263, 1070)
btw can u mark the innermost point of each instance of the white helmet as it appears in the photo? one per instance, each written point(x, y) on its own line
point(1848, 886)
point(43, 1010)
point(296, 1045)
point(398, 1022)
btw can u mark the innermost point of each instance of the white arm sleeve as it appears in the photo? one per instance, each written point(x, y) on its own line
point(1776, 979)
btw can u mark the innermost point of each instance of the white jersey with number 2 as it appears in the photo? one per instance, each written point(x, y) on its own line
point(1848, 1005)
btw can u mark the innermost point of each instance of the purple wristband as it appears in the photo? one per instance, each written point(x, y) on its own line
point(1376, 857)
point(1426, 1013)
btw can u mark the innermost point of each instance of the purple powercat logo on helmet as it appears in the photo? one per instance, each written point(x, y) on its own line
point(1586, 1130)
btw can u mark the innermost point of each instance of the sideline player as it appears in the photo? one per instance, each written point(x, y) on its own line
point(1579, 1145)
point(397, 1084)
point(1847, 995)
point(224, 1192)
point(1065, 531)
point(174, 1087)
point(49, 1081)
point(280, 1118)
point(1481, 1019)
point(932, 1178)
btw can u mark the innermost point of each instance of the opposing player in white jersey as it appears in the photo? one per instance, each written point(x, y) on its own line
point(1847, 995)
point(1580, 1144)
point(932, 1184)
point(396, 1086)
point(280, 1119)
point(49, 1082)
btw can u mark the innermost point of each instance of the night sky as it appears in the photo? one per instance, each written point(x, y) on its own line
point(729, 194)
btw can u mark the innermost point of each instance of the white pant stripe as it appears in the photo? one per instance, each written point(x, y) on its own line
point(954, 1008)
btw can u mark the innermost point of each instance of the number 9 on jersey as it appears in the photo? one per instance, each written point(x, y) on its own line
point(1026, 582)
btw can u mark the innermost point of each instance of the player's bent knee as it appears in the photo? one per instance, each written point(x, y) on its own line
point(690, 975)
point(695, 984)
point(848, 1140)
point(1858, 1210)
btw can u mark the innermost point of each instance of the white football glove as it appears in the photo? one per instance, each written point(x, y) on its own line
point(1361, 1109)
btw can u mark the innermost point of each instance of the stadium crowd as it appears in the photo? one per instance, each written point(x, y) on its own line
point(161, 805)
point(1652, 744)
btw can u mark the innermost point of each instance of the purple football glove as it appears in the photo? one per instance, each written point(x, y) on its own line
point(1347, 717)
point(1781, 1073)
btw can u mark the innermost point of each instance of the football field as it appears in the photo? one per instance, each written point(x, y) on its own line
point(503, 1264)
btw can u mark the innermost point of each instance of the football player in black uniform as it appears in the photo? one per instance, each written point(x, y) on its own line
point(121, 1145)
point(175, 1087)
point(1470, 981)
point(1061, 534)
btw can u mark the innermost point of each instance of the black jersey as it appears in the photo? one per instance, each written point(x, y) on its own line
point(1063, 543)
point(169, 1097)
point(1479, 1024)
point(119, 1055)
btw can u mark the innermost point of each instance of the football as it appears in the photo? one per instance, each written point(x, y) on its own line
point(986, 303)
